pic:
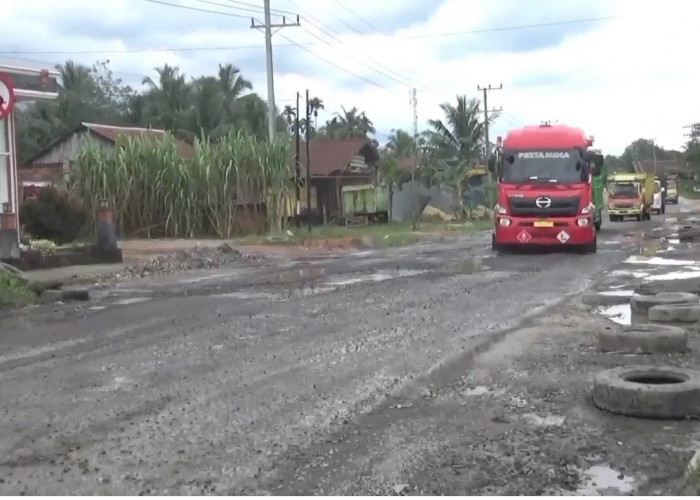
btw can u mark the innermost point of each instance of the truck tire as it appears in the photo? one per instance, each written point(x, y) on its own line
point(644, 339)
point(639, 218)
point(495, 247)
point(675, 313)
point(640, 304)
point(591, 247)
point(598, 223)
point(656, 392)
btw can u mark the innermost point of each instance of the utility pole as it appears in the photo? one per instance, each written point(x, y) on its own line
point(653, 148)
point(412, 191)
point(297, 163)
point(485, 90)
point(308, 164)
point(271, 117)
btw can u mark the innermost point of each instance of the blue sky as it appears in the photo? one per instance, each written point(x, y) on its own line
point(601, 75)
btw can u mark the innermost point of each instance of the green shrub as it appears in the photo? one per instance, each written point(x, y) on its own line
point(46, 247)
point(54, 215)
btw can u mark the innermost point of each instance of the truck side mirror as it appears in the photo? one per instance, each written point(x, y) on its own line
point(598, 160)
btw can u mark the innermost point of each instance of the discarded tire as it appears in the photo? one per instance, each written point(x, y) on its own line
point(675, 313)
point(640, 304)
point(644, 339)
point(648, 392)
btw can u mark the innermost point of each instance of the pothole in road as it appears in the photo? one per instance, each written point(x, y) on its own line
point(603, 479)
point(132, 300)
point(659, 261)
point(375, 277)
point(620, 314)
point(617, 293)
point(548, 421)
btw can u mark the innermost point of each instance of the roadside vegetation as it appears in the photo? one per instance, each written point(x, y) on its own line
point(376, 235)
point(14, 291)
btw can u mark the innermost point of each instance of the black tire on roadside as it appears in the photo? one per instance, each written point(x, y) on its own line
point(653, 392)
point(675, 313)
point(644, 339)
point(640, 304)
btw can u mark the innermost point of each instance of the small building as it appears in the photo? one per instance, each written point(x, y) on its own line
point(53, 163)
point(17, 84)
point(335, 163)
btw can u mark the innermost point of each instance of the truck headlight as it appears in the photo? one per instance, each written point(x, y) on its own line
point(583, 222)
point(504, 222)
point(589, 209)
point(500, 210)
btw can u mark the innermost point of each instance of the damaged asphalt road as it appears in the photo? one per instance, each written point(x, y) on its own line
point(240, 380)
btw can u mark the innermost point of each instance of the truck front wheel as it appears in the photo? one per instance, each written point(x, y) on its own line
point(591, 247)
point(495, 247)
point(598, 223)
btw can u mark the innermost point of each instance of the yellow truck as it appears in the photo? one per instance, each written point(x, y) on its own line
point(630, 195)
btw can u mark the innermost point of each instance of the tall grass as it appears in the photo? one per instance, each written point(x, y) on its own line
point(156, 192)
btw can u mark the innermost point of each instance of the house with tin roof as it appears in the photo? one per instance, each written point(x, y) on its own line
point(334, 163)
point(52, 164)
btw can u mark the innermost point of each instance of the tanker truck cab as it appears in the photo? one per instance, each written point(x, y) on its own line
point(546, 189)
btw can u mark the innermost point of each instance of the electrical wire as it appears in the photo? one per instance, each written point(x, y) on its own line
point(250, 47)
point(198, 9)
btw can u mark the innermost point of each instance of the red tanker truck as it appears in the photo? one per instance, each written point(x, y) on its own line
point(550, 189)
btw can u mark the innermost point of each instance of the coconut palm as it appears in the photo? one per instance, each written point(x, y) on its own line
point(401, 143)
point(168, 98)
point(349, 124)
point(460, 135)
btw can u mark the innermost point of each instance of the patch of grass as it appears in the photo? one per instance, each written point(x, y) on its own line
point(688, 192)
point(381, 235)
point(14, 291)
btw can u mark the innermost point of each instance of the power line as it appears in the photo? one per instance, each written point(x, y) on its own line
point(306, 18)
point(260, 9)
point(510, 28)
point(359, 17)
point(198, 9)
point(403, 80)
point(335, 65)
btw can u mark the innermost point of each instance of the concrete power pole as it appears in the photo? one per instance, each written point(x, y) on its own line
point(414, 202)
point(487, 143)
point(271, 117)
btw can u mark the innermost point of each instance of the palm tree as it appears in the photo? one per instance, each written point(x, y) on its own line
point(168, 98)
point(460, 135)
point(315, 105)
point(401, 143)
point(349, 124)
point(207, 115)
point(233, 86)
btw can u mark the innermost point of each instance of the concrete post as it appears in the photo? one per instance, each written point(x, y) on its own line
point(107, 232)
point(9, 244)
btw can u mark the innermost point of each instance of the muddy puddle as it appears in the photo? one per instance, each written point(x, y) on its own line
point(617, 293)
point(604, 480)
point(619, 313)
point(375, 277)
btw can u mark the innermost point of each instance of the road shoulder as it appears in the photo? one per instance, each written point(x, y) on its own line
point(517, 419)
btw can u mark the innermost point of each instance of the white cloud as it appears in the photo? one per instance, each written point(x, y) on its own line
point(619, 79)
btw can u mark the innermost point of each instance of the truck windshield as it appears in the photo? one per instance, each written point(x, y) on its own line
point(623, 190)
point(541, 166)
point(672, 184)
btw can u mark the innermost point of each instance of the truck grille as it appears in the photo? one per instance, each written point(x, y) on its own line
point(559, 206)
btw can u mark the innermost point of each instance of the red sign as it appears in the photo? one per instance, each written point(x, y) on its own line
point(7, 96)
point(524, 237)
